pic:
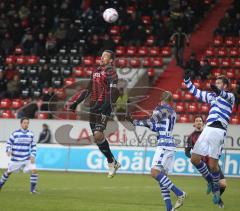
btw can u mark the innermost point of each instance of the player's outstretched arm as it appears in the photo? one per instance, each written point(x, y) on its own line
point(203, 96)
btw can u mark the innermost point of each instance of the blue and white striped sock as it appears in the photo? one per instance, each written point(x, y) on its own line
point(4, 178)
point(202, 168)
point(167, 183)
point(33, 180)
point(216, 178)
point(166, 197)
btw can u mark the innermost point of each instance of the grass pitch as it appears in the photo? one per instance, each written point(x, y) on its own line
point(82, 191)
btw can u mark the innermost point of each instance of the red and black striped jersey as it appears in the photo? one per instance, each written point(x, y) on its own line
point(103, 79)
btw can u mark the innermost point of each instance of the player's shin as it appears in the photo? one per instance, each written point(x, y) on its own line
point(166, 197)
point(203, 169)
point(105, 149)
point(4, 178)
point(33, 181)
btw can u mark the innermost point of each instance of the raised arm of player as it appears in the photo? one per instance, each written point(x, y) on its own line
point(82, 96)
point(203, 96)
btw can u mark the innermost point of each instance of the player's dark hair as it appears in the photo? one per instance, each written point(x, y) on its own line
point(111, 53)
point(224, 79)
point(198, 116)
point(24, 118)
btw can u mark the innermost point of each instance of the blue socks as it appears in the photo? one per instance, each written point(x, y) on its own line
point(4, 179)
point(202, 168)
point(166, 197)
point(33, 180)
point(216, 178)
point(167, 183)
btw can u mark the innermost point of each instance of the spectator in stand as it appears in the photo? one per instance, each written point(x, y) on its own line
point(10, 72)
point(45, 135)
point(28, 111)
point(6, 44)
point(72, 34)
point(121, 105)
point(237, 94)
point(193, 65)
point(205, 70)
point(51, 43)
point(94, 45)
point(13, 87)
point(107, 43)
point(61, 34)
point(45, 76)
point(28, 44)
point(23, 12)
point(3, 85)
point(39, 45)
point(47, 99)
point(179, 40)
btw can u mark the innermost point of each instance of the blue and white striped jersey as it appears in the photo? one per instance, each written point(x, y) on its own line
point(220, 106)
point(22, 145)
point(162, 121)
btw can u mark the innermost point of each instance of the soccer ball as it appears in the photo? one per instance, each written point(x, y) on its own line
point(110, 15)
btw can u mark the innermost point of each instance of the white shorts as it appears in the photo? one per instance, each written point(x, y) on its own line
point(210, 142)
point(26, 166)
point(163, 159)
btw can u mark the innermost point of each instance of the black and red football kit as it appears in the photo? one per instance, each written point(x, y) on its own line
point(192, 139)
point(103, 92)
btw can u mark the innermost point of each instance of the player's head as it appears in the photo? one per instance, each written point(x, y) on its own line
point(24, 123)
point(222, 82)
point(107, 58)
point(198, 123)
point(167, 97)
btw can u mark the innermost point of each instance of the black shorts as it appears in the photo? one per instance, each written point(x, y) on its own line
point(98, 119)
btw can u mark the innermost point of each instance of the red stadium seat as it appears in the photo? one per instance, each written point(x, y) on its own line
point(236, 62)
point(146, 20)
point(150, 40)
point(238, 41)
point(183, 86)
point(226, 62)
point(180, 107)
point(69, 81)
point(32, 60)
point(147, 62)
point(214, 62)
point(166, 51)
point(115, 30)
point(88, 61)
point(120, 50)
point(11, 59)
point(78, 71)
point(135, 63)
point(233, 52)
point(21, 60)
point(192, 107)
point(217, 41)
point(142, 51)
point(229, 41)
point(151, 72)
point(116, 39)
point(222, 52)
point(131, 51)
point(131, 10)
point(210, 52)
point(235, 120)
point(216, 72)
point(183, 118)
point(7, 114)
point(204, 108)
point(233, 84)
point(231, 73)
point(177, 96)
point(197, 83)
point(61, 94)
point(5, 103)
point(121, 62)
point(208, 83)
point(157, 62)
point(154, 51)
point(18, 50)
point(42, 115)
point(188, 96)
point(88, 71)
point(17, 103)
point(97, 60)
